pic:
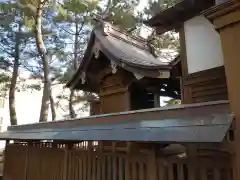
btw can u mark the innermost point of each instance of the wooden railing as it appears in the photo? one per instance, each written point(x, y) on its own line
point(99, 161)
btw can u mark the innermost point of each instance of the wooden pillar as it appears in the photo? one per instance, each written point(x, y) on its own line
point(226, 18)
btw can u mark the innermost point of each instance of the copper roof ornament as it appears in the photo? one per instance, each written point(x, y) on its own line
point(114, 67)
point(96, 53)
point(83, 77)
point(138, 76)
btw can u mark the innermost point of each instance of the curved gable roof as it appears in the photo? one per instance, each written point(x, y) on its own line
point(128, 52)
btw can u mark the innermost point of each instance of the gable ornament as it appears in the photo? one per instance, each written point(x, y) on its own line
point(114, 67)
point(138, 76)
point(96, 53)
point(83, 77)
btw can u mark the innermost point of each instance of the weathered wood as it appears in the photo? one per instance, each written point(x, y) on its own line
point(141, 171)
point(109, 168)
point(226, 18)
point(208, 85)
point(114, 88)
point(86, 162)
point(120, 167)
point(152, 165)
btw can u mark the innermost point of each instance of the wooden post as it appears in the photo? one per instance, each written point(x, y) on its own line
point(226, 18)
point(152, 165)
point(193, 166)
point(26, 161)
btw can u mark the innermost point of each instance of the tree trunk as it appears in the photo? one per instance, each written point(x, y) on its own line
point(45, 60)
point(75, 58)
point(52, 104)
point(75, 66)
point(12, 108)
point(71, 109)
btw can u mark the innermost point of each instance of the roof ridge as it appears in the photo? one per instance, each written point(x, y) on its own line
point(139, 42)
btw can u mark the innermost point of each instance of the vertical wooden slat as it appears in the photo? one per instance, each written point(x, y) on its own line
point(44, 166)
point(85, 165)
point(56, 164)
point(65, 167)
point(134, 170)
point(62, 160)
point(93, 166)
point(180, 171)
point(114, 164)
point(170, 171)
point(61, 164)
point(203, 173)
point(69, 165)
point(127, 162)
point(192, 166)
point(74, 164)
point(80, 167)
point(120, 167)
point(39, 156)
point(161, 169)
point(109, 167)
point(141, 171)
point(48, 165)
point(53, 163)
point(99, 167)
point(26, 163)
point(152, 165)
point(104, 167)
point(89, 160)
point(217, 174)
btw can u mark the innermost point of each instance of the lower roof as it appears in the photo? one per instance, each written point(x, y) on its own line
point(179, 124)
point(174, 16)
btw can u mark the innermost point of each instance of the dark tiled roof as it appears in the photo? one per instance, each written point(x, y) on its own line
point(127, 49)
point(128, 53)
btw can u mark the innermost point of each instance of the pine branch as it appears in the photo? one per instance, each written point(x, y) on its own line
point(4, 50)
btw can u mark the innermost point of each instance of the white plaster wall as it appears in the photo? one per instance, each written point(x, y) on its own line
point(203, 45)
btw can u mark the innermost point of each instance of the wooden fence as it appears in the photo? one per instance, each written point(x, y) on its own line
point(107, 161)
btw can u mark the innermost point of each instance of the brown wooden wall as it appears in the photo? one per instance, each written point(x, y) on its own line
point(118, 161)
point(114, 95)
point(209, 85)
point(95, 108)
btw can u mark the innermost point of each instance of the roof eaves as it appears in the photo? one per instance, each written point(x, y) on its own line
point(75, 78)
point(173, 17)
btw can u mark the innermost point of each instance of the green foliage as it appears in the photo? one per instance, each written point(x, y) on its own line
point(172, 102)
point(4, 78)
point(155, 7)
point(4, 83)
point(166, 41)
point(32, 87)
point(76, 6)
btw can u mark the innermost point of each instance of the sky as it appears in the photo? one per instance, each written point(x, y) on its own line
point(142, 4)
